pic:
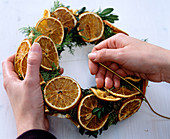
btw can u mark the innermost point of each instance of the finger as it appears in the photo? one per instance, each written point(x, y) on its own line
point(116, 82)
point(8, 68)
point(109, 80)
point(33, 62)
point(93, 67)
point(61, 71)
point(104, 44)
point(112, 55)
point(109, 75)
point(100, 76)
point(113, 42)
point(117, 79)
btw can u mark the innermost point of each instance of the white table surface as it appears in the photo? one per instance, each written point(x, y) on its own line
point(140, 18)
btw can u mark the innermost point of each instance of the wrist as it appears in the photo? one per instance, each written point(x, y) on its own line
point(166, 67)
point(26, 124)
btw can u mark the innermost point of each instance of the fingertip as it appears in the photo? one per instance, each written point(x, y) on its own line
point(108, 83)
point(36, 47)
point(61, 70)
point(99, 82)
point(92, 56)
point(93, 67)
point(116, 82)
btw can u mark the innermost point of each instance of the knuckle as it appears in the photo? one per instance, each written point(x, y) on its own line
point(101, 54)
point(3, 62)
point(32, 61)
point(120, 56)
point(119, 36)
point(5, 84)
point(121, 53)
point(28, 82)
point(101, 72)
point(31, 82)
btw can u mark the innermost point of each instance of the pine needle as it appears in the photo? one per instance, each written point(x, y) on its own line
point(28, 30)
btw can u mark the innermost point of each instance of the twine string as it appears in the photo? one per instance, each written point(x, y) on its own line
point(136, 89)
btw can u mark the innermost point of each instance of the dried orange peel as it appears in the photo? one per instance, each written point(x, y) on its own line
point(91, 25)
point(129, 107)
point(85, 116)
point(62, 93)
point(104, 95)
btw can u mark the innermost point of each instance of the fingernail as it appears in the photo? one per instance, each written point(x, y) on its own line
point(35, 47)
point(92, 56)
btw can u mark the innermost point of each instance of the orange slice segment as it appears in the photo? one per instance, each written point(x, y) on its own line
point(66, 17)
point(133, 79)
point(85, 116)
point(123, 92)
point(24, 69)
point(21, 52)
point(62, 93)
point(91, 26)
point(52, 28)
point(49, 52)
point(46, 13)
point(115, 29)
point(104, 95)
point(129, 108)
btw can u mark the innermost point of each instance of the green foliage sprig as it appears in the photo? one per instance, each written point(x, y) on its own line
point(28, 30)
point(71, 40)
point(48, 75)
point(108, 32)
point(56, 5)
point(106, 15)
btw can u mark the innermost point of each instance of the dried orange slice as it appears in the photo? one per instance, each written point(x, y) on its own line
point(62, 93)
point(145, 83)
point(49, 52)
point(86, 118)
point(129, 108)
point(104, 95)
point(24, 69)
point(123, 92)
point(115, 29)
point(52, 28)
point(23, 49)
point(91, 26)
point(133, 79)
point(66, 17)
point(46, 13)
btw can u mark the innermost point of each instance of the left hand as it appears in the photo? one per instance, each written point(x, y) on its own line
point(25, 96)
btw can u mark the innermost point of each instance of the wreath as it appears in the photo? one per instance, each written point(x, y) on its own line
point(94, 109)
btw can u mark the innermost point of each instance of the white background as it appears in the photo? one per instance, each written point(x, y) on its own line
point(140, 18)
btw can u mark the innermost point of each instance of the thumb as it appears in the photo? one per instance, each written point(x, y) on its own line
point(106, 55)
point(34, 61)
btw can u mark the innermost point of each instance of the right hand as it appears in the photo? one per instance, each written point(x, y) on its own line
point(128, 56)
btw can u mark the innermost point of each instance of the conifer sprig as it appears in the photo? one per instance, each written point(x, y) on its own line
point(30, 32)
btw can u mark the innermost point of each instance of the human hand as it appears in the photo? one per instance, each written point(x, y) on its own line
point(128, 56)
point(25, 95)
